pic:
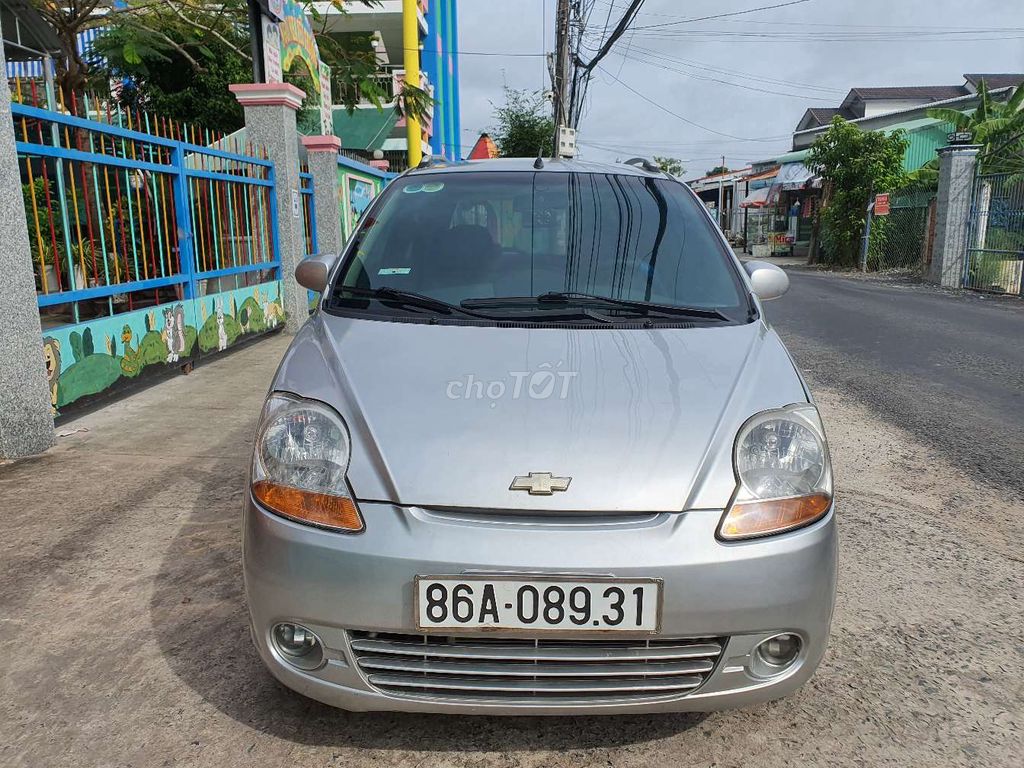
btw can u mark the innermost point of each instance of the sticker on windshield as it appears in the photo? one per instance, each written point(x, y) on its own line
point(432, 186)
point(394, 271)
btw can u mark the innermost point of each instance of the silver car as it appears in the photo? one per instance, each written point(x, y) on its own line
point(538, 451)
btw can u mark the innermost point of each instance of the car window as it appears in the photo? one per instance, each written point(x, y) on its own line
point(460, 236)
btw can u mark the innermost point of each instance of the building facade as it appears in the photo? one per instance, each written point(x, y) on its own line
point(378, 134)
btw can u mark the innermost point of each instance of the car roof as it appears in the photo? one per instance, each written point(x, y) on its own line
point(551, 165)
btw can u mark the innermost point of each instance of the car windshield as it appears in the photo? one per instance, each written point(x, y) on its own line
point(489, 240)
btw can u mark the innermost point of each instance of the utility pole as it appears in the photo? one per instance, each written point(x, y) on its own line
point(560, 76)
point(256, 40)
point(721, 197)
point(411, 44)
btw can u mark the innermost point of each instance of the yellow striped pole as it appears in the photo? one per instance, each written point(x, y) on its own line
point(411, 44)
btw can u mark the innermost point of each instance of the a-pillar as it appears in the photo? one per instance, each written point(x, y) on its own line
point(26, 421)
point(322, 154)
point(270, 123)
point(953, 214)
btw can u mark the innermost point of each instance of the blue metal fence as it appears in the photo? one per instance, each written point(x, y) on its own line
point(308, 203)
point(995, 244)
point(152, 243)
point(115, 211)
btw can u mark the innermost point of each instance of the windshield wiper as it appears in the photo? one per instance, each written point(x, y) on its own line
point(569, 297)
point(407, 298)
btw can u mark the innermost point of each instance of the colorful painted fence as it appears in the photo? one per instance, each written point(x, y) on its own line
point(153, 243)
point(358, 185)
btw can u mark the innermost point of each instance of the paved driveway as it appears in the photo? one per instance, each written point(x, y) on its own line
point(124, 641)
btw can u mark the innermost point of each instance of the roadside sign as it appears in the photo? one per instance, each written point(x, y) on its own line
point(326, 114)
point(271, 51)
point(882, 205)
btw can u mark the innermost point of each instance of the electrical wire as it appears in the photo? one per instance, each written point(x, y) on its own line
point(760, 88)
point(722, 15)
point(690, 63)
point(686, 120)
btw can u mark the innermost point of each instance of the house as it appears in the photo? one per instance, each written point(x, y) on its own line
point(874, 109)
point(721, 193)
point(484, 149)
point(378, 134)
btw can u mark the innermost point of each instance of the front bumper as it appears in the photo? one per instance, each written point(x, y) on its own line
point(743, 591)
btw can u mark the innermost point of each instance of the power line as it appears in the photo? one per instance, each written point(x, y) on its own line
point(757, 88)
point(723, 15)
point(583, 69)
point(797, 23)
point(690, 63)
point(732, 36)
point(676, 115)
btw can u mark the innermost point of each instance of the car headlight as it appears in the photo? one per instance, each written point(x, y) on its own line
point(783, 474)
point(300, 462)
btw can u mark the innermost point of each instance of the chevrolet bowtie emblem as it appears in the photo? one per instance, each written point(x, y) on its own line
point(540, 483)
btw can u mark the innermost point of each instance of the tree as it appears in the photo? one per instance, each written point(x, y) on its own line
point(718, 169)
point(853, 166)
point(178, 56)
point(164, 82)
point(670, 165)
point(525, 129)
point(147, 28)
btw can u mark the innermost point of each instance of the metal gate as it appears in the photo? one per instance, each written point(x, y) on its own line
point(995, 240)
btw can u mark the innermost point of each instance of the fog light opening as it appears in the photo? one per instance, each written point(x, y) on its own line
point(776, 654)
point(297, 645)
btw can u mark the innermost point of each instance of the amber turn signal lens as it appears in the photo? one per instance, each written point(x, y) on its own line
point(322, 509)
point(760, 518)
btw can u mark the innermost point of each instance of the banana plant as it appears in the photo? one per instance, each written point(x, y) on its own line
point(998, 126)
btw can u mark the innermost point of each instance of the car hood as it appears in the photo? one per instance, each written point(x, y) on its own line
point(448, 416)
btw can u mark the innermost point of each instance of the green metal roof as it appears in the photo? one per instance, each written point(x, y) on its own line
point(912, 125)
point(365, 129)
point(924, 136)
point(793, 157)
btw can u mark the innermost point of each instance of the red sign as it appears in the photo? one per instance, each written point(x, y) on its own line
point(882, 205)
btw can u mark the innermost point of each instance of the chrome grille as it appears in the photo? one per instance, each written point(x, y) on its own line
point(535, 670)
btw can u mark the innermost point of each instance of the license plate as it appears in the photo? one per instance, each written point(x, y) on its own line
point(474, 603)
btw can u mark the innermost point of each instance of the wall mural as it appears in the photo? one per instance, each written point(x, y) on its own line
point(92, 357)
point(360, 194)
point(297, 40)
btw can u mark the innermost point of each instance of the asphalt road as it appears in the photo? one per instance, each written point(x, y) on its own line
point(949, 368)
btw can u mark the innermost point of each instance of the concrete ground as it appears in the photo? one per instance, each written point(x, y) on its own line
point(124, 641)
point(948, 367)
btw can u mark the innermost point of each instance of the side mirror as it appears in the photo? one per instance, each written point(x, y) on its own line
point(313, 271)
point(768, 281)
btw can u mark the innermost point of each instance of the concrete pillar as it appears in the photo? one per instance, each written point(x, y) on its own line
point(323, 164)
point(270, 122)
point(411, 44)
point(26, 420)
point(953, 213)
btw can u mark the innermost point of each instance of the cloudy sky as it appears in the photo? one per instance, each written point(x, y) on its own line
point(737, 85)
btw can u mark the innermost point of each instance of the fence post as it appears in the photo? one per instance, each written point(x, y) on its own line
point(866, 244)
point(26, 417)
point(953, 214)
point(323, 164)
point(183, 209)
point(270, 122)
